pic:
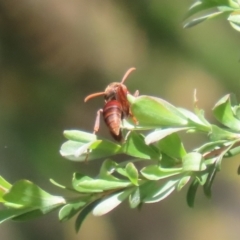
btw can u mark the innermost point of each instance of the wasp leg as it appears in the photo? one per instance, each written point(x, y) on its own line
point(133, 118)
point(136, 94)
point(97, 121)
point(95, 129)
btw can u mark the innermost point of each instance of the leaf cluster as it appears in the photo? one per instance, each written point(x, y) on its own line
point(202, 10)
point(158, 163)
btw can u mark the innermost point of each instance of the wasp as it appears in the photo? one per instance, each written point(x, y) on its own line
point(116, 107)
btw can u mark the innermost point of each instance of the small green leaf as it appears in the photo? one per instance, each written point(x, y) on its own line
point(69, 210)
point(234, 19)
point(109, 203)
point(224, 113)
point(155, 112)
point(121, 171)
point(154, 172)
point(172, 146)
point(77, 151)
point(135, 146)
point(147, 188)
point(135, 198)
point(87, 184)
point(107, 169)
point(212, 170)
point(161, 192)
point(27, 194)
point(169, 162)
point(203, 17)
point(182, 182)
point(7, 214)
point(162, 133)
point(193, 162)
point(97, 185)
point(4, 187)
point(4, 184)
point(236, 111)
point(218, 133)
point(83, 214)
point(203, 6)
point(210, 146)
point(233, 152)
point(202, 177)
point(196, 121)
point(70, 148)
point(36, 213)
point(132, 173)
point(191, 194)
point(79, 136)
point(235, 25)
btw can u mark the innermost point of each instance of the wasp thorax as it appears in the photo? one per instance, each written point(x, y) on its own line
point(111, 91)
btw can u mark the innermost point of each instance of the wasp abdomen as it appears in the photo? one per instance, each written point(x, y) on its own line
point(113, 114)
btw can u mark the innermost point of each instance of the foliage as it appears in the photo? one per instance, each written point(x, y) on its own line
point(158, 163)
point(165, 164)
point(202, 10)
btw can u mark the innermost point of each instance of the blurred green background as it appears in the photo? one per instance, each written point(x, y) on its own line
point(55, 52)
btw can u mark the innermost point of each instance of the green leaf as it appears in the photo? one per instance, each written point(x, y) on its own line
point(4, 184)
point(161, 192)
point(202, 177)
point(202, 18)
point(36, 213)
point(223, 153)
point(109, 203)
point(121, 171)
point(203, 5)
point(83, 214)
point(69, 210)
point(79, 136)
point(233, 152)
point(87, 184)
point(234, 19)
point(107, 169)
point(182, 182)
point(169, 162)
point(210, 146)
point(172, 146)
point(162, 133)
point(154, 172)
point(208, 185)
point(135, 198)
point(197, 121)
point(191, 194)
point(7, 214)
point(27, 194)
point(77, 151)
point(4, 187)
point(224, 113)
point(218, 133)
point(193, 162)
point(135, 146)
point(132, 173)
point(156, 112)
point(236, 111)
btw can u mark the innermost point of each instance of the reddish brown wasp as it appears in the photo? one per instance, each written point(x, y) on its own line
point(116, 107)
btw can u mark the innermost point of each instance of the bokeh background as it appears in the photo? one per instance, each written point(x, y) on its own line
point(55, 52)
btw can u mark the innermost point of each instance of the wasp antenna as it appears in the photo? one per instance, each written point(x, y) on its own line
point(127, 73)
point(93, 96)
